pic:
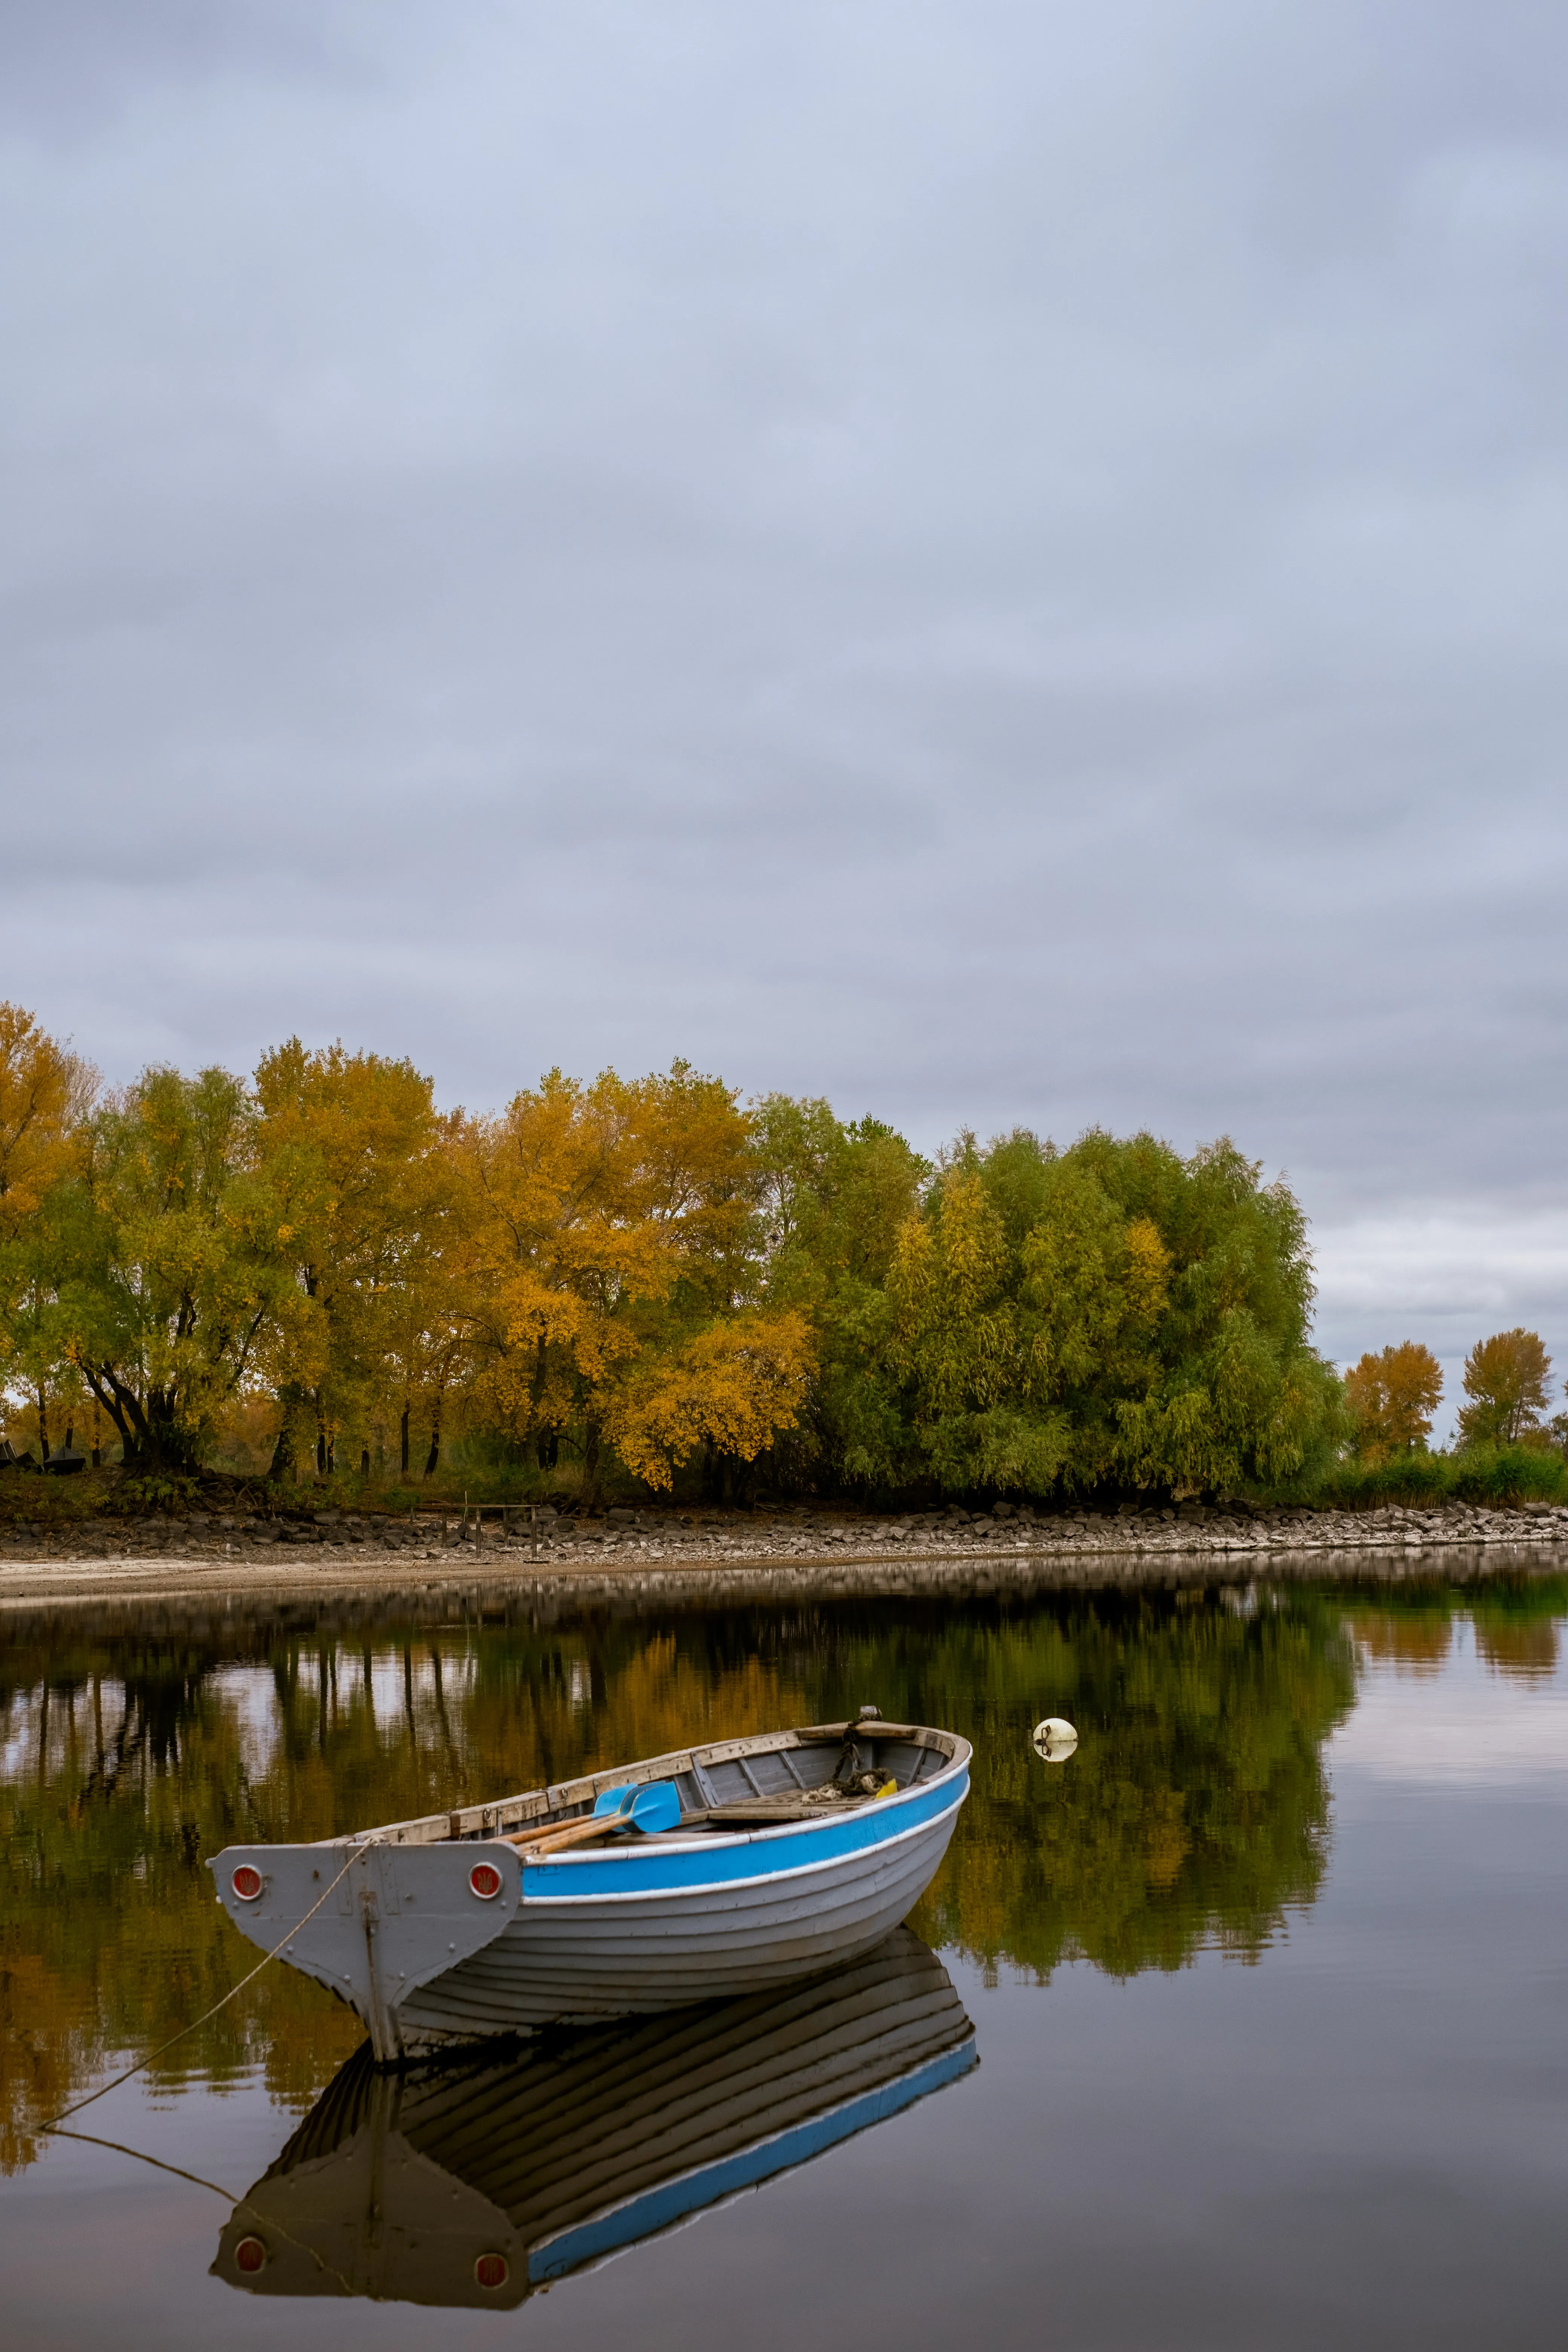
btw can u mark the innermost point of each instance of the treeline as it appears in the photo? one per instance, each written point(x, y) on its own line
point(645, 1273)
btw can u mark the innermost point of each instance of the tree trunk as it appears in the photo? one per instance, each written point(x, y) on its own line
point(404, 1437)
point(169, 1444)
point(542, 1437)
point(97, 1435)
point(121, 1406)
point(43, 1425)
point(433, 1458)
point(284, 1462)
point(364, 1464)
point(592, 1434)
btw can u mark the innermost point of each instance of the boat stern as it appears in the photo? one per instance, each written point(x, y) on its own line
point(374, 1922)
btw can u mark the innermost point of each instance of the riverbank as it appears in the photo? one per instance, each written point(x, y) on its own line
point(638, 1560)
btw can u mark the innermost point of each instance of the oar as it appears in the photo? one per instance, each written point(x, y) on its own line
point(651, 1809)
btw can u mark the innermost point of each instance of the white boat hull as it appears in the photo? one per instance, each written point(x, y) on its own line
point(580, 1960)
point(392, 1921)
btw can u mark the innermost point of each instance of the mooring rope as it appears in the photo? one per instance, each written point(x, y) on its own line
point(92, 2139)
point(197, 2024)
point(240, 2204)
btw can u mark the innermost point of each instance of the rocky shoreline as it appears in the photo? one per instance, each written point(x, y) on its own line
point(678, 1556)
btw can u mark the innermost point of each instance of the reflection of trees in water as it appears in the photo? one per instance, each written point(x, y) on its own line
point(1515, 1620)
point(1195, 1807)
point(1516, 1646)
point(1416, 1641)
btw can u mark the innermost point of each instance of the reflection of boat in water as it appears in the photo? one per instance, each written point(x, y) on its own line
point(473, 2184)
point(790, 1853)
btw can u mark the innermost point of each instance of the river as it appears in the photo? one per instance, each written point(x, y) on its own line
point(1267, 1983)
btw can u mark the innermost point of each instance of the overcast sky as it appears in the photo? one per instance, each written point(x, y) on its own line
point(997, 561)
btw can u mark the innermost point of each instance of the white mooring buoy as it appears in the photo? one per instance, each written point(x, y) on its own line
point(1055, 1739)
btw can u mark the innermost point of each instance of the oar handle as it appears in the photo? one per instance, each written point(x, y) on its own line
point(569, 1833)
point(653, 1806)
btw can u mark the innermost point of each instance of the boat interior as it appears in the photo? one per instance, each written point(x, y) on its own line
point(731, 1787)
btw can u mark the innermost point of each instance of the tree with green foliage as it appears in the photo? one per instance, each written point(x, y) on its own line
point(160, 1262)
point(1110, 1313)
point(834, 1197)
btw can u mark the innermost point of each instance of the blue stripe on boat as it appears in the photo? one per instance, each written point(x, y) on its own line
point(674, 2199)
point(652, 1869)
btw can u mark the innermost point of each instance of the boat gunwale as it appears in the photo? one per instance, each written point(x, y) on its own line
point(652, 1849)
point(486, 1822)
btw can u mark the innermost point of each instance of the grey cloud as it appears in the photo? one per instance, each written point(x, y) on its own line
point(67, 68)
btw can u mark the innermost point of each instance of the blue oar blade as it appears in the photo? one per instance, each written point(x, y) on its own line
point(656, 1807)
point(614, 1800)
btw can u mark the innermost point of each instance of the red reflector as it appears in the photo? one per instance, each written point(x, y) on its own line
point(485, 1880)
point(249, 2255)
point(492, 2270)
point(247, 1884)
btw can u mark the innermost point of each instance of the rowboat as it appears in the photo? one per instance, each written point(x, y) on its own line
point(477, 2182)
point(791, 1852)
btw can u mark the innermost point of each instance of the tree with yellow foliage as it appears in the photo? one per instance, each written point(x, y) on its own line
point(350, 1152)
point(1506, 1379)
point(605, 1241)
point(727, 1391)
point(1391, 1398)
point(46, 1092)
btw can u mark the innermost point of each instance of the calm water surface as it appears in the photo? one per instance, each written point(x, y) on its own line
point(1268, 1984)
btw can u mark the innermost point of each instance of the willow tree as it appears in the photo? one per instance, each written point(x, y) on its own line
point(832, 1197)
point(1111, 1313)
